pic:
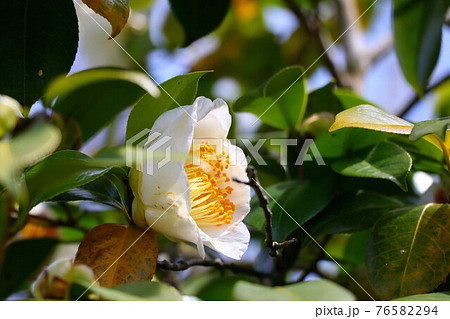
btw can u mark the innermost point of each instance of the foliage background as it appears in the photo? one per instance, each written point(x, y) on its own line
point(341, 209)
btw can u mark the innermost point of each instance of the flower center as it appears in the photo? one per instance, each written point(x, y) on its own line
point(208, 188)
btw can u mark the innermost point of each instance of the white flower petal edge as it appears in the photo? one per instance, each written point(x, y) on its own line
point(177, 199)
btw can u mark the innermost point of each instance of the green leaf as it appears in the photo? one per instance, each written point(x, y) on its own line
point(34, 143)
point(436, 296)
point(349, 99)
point(180, 90)
point(350, 213)
point(346, 141)
point(94, 97)
point(59, 173)
point(323, 100)
point(417, 36)
point(218, 288)
point(280, 102)
point(139, 4)
point(115, 11)
point(437, 126)
point(302, 200)
point(23, 258)
point(408, 252)
point(316, 290)
point(134, 291)
point(107, 189)
point(28, 147)
point(386, 161)
point(39, 42)
point(10, 110)
point(199, 17)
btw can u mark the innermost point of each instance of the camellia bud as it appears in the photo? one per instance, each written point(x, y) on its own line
point(317, 123)
point(54, 281)
point(9, 112)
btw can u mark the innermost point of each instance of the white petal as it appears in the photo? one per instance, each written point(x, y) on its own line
point(216, 123)
point(173, 224)
point(233, 244)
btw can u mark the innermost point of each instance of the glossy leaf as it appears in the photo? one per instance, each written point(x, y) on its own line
point(107, 189)
point(59, 173)
point(280, 102)
point(435, 296)
point(115, 11)
point(94, 97)
point(302, 200)
point(349, 99)
point(26, 148)
point(372, 118)
point(437, 126)
point(34, 143)
point(199, 17)
point(323, 100)
point(350, 213)
point(128, 254)
point(408, 252)
point(385, 160)
point(10, 110)
point(23, 258)
point(39, 42)
point(135, 291)
point(417, 34)
point(180, 90)
point(316, 290)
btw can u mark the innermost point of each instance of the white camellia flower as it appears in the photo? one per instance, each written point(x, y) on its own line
point(195, 199)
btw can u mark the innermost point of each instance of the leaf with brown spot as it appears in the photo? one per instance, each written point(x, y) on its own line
point(103, 246)
point(115, 11)
point(408, 252)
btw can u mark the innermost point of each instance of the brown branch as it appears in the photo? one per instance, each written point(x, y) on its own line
point(218, 264)
point(379, 52)
point(417, 98)
point(264, 203)
point(59, 223)
point(313, 31)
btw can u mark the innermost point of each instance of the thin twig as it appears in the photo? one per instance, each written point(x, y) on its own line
point(57, 223)
point(264, 203)
point(417, 98)
point(218, 264)
point(313, 31)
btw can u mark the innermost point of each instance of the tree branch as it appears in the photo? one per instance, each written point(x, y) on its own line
point(57, 223)
point(218, 264)
point(264, 203)
point(313, 31)
point(417, 98)
point(380, 51)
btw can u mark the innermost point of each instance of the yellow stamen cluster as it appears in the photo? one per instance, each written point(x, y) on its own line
point(208, 193)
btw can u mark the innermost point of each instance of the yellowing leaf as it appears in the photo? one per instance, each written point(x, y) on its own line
point(119, 254)
point(372, 118)
point(115, 11)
